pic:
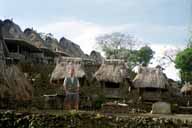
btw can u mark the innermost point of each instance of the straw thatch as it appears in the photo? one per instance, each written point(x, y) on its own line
point(12, 81)
point(150, 78)
point(62, 68)
point(12, 30)
point(112, 71)
point(3, 48)
point(34, 38)
point(186, 88)
point(14, 85)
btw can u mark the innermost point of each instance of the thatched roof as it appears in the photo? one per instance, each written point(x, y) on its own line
point(112, 70)
point(34, 38)
point(150, 78)
point(12, 30)
point(62, 68)
point(97, 57)
point(3, 47)
point(14, 85)
point(173, 87)
point(186, 88)
point(71, 48)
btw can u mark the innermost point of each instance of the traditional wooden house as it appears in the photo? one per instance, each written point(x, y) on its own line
point(84, 70)
point(49, 56)
point(49, 46)
point(113, 79)
point(21, 50)
point(14, 87)
point(18, 46)
point(151, 83)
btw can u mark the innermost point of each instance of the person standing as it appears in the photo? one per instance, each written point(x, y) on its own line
point(71, 89)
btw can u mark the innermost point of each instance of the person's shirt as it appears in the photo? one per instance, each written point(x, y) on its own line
point(71, 84)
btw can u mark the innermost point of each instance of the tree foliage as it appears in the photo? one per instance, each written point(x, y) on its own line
point(145, 54)
point(116, 41)
point(183, 62)
point(168, 57)
point(189, 43)
point(45, 35)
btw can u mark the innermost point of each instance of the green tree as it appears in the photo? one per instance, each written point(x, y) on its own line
point(183, 62)
point(189, 43)
point(145, 54)
point(123, 46)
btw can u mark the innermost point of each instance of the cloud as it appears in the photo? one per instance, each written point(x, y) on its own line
point(160, 50)
point(84, 33)
point(81, 32)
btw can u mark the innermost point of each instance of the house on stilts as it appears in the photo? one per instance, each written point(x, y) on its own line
point(114, 79)
point(151, 83)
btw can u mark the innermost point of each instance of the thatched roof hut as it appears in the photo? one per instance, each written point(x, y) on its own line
point(14, 85)
point(97, 57)
point(3, 48)
point(62, 68)
point(113, 79)
point(14, 36)
point(150, 78)
point(187, 88)
point(113, 70)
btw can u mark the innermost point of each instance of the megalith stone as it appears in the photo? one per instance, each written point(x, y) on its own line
point(161, 108)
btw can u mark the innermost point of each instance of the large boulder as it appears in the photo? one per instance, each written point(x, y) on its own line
point(97, 57)
point(71, 48)
point(11, 30)
point(161, 108)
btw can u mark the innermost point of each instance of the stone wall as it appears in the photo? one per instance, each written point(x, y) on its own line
point(87, 120)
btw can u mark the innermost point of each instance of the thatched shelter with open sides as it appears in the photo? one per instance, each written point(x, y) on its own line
point(151, 83)
point(113, 78)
